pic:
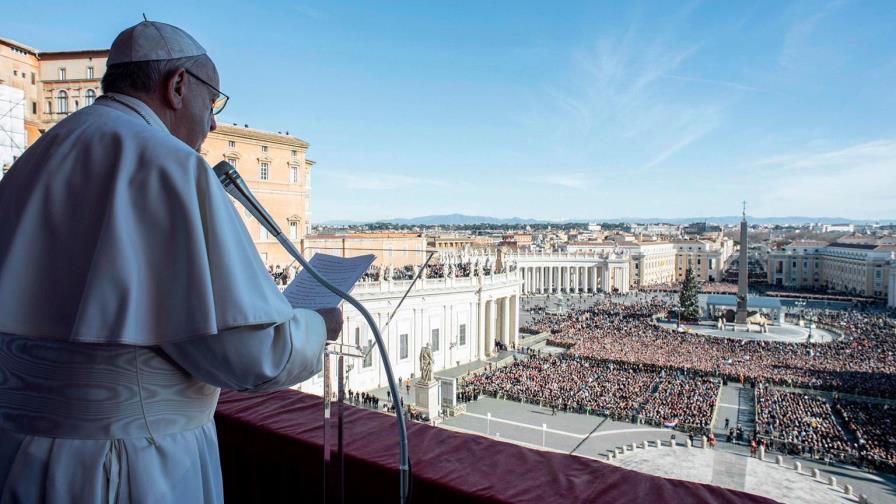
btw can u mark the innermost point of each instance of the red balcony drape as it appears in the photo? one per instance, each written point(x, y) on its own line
point(271, 451)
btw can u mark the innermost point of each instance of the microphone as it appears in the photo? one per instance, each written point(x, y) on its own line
point(235, 186)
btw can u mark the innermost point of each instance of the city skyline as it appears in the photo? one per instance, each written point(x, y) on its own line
point(507, 110)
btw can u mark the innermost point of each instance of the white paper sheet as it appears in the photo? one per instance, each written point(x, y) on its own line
point(343, 272)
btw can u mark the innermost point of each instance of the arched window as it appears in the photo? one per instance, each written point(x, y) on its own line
point(89, 97)
point(62, 102)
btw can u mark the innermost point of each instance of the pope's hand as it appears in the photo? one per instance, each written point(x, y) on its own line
point(333, 319)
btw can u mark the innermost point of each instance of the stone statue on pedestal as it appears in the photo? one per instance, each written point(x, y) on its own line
point(426, 364)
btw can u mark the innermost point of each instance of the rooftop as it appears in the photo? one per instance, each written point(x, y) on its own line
point(858, 246)
point(42, 54)
point(229, 130)
point(18, 45)
point(362, 236)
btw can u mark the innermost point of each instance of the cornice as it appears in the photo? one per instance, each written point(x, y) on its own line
point(228, 131)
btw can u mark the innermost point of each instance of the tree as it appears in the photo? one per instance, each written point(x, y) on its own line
point(688, 304)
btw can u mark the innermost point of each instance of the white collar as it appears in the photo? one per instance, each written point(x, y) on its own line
point(142, 109)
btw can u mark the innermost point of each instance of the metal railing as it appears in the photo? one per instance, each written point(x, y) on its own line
point(853, 458)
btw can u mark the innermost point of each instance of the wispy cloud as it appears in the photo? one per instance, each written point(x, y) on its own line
point(616, 105)
point(568, 180)
point(860, 154)
point(724, 83)
point(695, 132)
point(857, 180)
point(796, 38)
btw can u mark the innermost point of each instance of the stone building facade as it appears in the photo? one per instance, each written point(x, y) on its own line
point(650, 263)
point(706, 258)
point(461, 318)
point(274, 165)
point(55, 83)
point(863, 269)
point(391, 249)
point(278, 173)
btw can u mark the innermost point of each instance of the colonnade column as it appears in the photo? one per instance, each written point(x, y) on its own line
point(480, 323)
point(505, 322)
point(515, 320)
point(492, 318)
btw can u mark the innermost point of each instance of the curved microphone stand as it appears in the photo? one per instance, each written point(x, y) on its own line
point(235, 186)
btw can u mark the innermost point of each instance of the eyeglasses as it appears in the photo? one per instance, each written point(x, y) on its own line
point(220, 102)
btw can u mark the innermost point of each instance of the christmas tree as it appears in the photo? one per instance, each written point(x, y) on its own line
point(688, 305)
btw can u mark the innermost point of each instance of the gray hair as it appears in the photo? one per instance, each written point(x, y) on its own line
point(142, 76)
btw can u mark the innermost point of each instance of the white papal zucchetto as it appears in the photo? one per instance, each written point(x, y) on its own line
point(152, 41)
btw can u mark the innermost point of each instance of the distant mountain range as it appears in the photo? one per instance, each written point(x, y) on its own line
point(460, 219)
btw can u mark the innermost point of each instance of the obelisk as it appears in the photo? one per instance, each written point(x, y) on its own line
point(740, 316)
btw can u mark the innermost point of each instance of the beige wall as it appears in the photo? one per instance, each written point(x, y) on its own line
point(704, 258)
point(390, 249)
point(285, 193)
point(76, 85)
point(853, 271)
point(37, 74)
point(20, 69)
point(652, 264)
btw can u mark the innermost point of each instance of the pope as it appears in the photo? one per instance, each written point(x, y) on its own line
point(131, 293)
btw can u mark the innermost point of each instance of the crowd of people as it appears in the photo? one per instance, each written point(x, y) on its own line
point(808, 425)
point(363, 399)
point(874, 427)
point(863, 362)
point(630, 392)
point(620, 361)
point(804, 422)
point(688, 402)
point(281, 275)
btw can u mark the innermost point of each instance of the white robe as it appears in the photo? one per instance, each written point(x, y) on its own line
point(130, 293)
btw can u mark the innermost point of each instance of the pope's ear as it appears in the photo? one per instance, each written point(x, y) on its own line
point(176, 88)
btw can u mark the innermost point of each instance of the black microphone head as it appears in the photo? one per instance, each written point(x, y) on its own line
point(235, 186)
point(225, 172)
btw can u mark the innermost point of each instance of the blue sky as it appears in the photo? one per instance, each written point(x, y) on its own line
point(547, 109)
